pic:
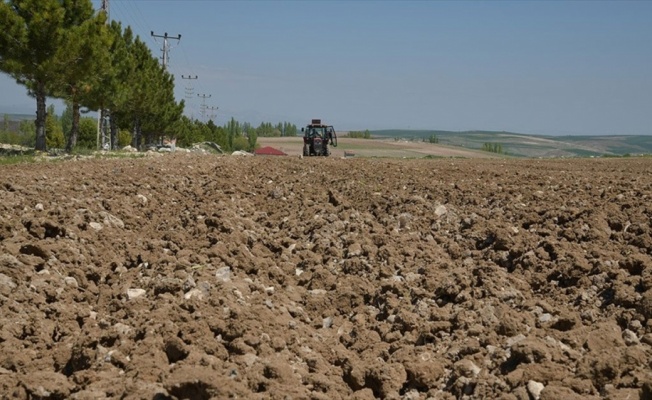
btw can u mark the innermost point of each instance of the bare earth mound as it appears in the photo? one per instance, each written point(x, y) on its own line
point(197, 277)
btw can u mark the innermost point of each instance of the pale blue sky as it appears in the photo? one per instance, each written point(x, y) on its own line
point(539, 67)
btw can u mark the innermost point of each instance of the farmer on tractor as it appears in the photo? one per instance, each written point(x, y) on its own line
point(317, 137)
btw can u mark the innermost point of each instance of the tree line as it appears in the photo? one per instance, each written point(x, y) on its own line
point(230, 137)
point(493, 148)
point(360, 134)
point(233, 136)
point(64, 49)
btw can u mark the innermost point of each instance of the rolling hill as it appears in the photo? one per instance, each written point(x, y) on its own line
point(522, 145)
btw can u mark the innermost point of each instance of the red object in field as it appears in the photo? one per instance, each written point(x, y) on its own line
point(269, 151)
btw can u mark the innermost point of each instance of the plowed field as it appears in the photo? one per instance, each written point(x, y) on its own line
point(195, 277)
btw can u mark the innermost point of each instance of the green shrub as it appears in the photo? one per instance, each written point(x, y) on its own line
point(124, 138)
point(240, 143)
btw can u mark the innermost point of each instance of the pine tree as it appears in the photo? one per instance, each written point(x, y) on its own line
point(252, 137)
point(81, 62)
point(53, 131)
point(232, 132)
point(66, 118)
point(29, 38)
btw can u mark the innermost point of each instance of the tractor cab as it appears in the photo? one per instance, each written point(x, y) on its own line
point(317, 137)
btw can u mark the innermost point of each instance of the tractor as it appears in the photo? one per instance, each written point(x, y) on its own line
point(317, 137)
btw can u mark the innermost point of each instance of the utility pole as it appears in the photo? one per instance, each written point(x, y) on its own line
point(189, 88)
point(189, 92)
point(105, 8)
point(166, 46)
point(212, 113)
point(203, 104)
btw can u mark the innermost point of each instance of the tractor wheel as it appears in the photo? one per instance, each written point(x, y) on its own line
point(306, 150)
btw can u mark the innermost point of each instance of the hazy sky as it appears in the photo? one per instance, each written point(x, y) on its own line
point(540, 67)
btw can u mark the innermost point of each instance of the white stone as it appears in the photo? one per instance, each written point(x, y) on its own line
point(515, 339)
point(9, 261)
point(189, 283)
point(635, 324)
point(223, 274)
point(96, 226)
point(39, 207)
point(70, 281)
point(135, 293)
point(630, 338)
point(7, 281)
point(142, 198)
point(467, 368)
point(194, 294)
point(40, 392)
point(122, 328)
point(112, 220)
point(535, 388)
point(440, 210)
point(545, 317)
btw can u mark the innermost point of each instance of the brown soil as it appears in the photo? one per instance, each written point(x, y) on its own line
point(197, 277)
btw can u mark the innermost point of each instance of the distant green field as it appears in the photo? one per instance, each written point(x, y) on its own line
point(522, 145)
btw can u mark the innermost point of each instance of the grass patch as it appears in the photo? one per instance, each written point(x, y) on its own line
point(17, 159)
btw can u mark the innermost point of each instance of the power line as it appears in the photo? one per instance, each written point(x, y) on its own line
point(185, 56)
point(129, 18)
point(138, 17)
